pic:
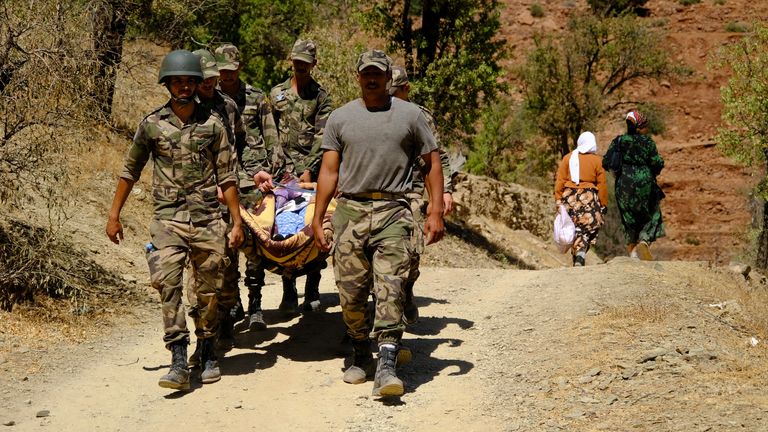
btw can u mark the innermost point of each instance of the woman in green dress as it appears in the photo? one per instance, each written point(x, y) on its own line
point(637, 194)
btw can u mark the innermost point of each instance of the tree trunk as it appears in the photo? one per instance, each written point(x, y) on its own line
point(761, 261)
point(430, 30)
point(109, 27)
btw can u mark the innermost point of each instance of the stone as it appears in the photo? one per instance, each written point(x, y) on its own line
point(651, 355)
point(9, 423)
point(43, 413)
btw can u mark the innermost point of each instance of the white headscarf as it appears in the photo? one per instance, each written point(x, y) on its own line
point(585, 144)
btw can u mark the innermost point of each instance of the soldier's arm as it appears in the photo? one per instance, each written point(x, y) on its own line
point(326, 188)
point(114, 226)
point(433, 226)
point(315, 155)
point(447, 183)
point(227, 181)
point(138, 155)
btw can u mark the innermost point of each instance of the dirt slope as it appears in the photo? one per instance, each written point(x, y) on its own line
point(706, 210)
point(563, 349)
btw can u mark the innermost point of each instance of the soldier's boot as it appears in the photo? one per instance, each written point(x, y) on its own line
point(237, 312)
point(289, 304)
point(178, 377)
point(312, 292)
point(644, 251)
point(255, 282)
point(211, 372)
point(410, 310)
point(226, 339)
point(194, 359)
point(363, 366)
point(386, 383)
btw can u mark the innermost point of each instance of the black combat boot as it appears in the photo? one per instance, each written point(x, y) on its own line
point(312, 292)
point(289, 305)
point(211, 372)
point(386, 382)
point(362, 366)
point(194, 359)
point(226, 338)
point(178, 377)
point(254, 280)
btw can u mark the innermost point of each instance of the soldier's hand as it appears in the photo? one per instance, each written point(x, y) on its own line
point(319, 234)
point(306, 177)
point(236, 236)
point(263, 181)
point(434, 228)
point(115, 230)
point(447, 203)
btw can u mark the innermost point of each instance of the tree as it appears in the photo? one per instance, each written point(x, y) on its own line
point(744, 135)
point(451, 50)
point(110, 19)
point(571, 81)
point(618, 7)
point(44, 93)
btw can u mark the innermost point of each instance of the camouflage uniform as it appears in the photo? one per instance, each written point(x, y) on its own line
point(300, 120)
point(260, 140)
point(189, 161)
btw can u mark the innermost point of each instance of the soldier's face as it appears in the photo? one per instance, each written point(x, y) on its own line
point(302, 68)
point(373, 80)
point(182, 87)
point(206, 88)
point(229, 77)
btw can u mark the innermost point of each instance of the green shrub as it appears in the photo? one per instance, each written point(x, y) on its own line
point(688, 2)
point(737, 27)
point(537, 10)
point(615, 7)
point(657, 115)
point(719, 2)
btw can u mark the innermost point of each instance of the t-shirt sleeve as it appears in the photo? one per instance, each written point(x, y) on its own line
point(332, 135)
point(425, 140)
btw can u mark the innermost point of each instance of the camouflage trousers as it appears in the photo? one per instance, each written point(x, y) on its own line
point(417, 241)
point(204, 247)
point(372, 255)
point(230, 289)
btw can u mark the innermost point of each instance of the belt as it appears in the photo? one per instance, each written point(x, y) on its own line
point(373, 196)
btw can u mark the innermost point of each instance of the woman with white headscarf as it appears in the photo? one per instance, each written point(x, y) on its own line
point(581, 187)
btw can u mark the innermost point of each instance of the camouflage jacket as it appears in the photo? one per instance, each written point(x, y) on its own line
point(260, 130)
point(300, 123)
point(226, 108)
point(418, 177)
point(189, 160)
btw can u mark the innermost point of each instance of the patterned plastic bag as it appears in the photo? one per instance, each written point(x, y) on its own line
point(565, 230)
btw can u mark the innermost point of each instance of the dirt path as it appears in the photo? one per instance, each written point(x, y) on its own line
point(495, 350)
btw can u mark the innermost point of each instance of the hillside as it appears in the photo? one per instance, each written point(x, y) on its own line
point(707, 210)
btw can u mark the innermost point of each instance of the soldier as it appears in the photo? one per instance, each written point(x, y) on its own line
point(261, 137)
point(370, 146)
point(401, 88)
point(230, 308)
point(191, 157)
point(301, 107)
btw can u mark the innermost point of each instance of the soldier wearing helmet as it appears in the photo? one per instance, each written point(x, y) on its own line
point(191, 158)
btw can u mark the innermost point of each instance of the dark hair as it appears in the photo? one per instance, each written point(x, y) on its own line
point(631, 128)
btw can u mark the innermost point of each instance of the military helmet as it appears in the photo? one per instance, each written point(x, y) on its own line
point(180, 63)
point(207, 63)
